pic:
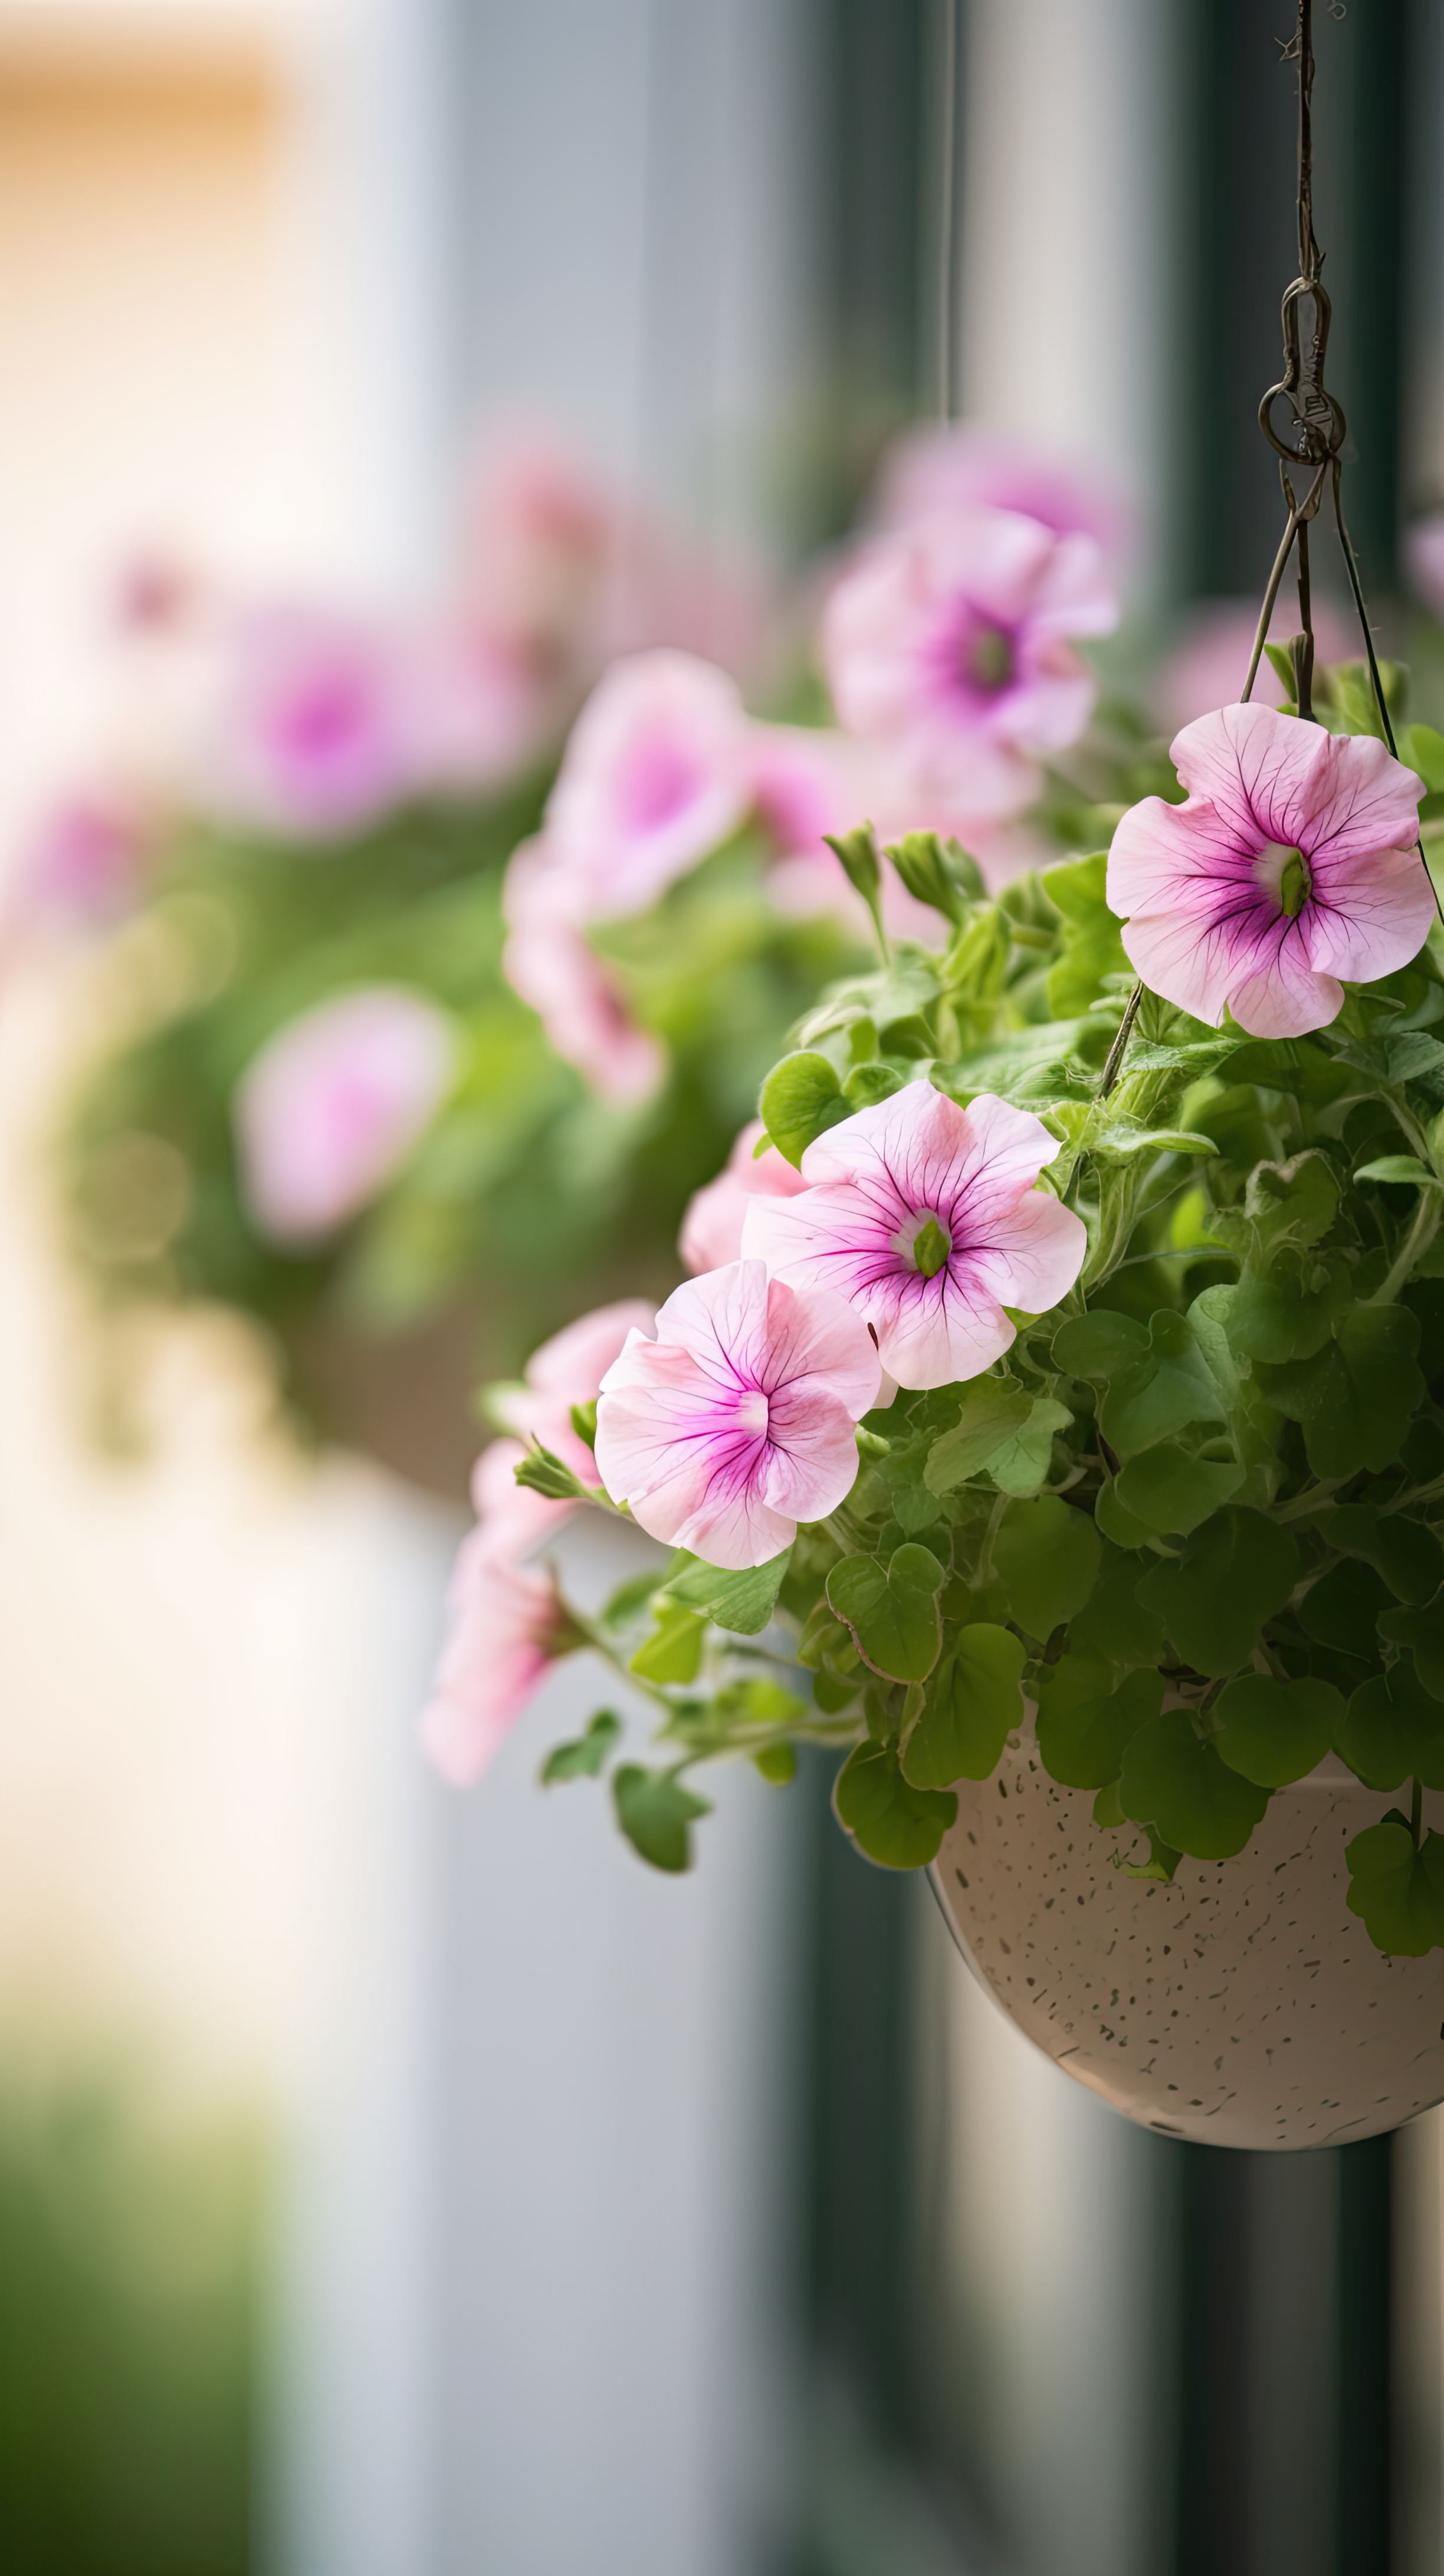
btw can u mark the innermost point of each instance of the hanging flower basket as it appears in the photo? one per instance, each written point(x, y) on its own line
point(1056, 1424)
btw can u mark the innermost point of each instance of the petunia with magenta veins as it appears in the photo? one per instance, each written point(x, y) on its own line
point(1290, 870)
point(736, 1422)
point(925, 1217)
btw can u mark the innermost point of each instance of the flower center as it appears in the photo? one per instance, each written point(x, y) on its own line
point(925, 1244)
point(752, 1415)
point(1285, 872)
point(660, 783)
point(988, 659)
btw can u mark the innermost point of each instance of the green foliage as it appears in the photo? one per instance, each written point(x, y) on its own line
point(1273, 1732)
point(801, 1098)
point(1173, 1780)
point(891, 1610)
point(971, 1706)
point(1214, 1597)
point(1357, 1397)
point(743, 1603)
point(992, 1413)
point(586, 1757)
point(1393, 1730)
point(1398, 1892)
point(656, 1813)
point(673, 1652)
point(1087, 1719)
point(1046, 1557)
point(896, 1825)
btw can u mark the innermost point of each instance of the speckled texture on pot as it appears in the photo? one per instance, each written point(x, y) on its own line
point(1243, 2006)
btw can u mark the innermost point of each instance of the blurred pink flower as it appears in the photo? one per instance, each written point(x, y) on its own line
point(737, 1422)
point(936, 473)
point(314, 738)
point(541, 538)
point(474, 710)
point(1424, 560)
point(948, 647)
point(712, 1227)
point(328, 1111)
point(1291, 865)
point(1209, 663)
point(566, 1371)
point(806, 782)
point(655, 775)
point(925, 1217)
point(506, 1625)
point(548, 962)
point(86, 858)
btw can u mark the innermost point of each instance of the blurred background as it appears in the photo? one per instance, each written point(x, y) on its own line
point(397, 2183)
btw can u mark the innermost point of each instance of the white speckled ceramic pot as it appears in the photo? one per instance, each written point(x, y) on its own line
point(1243, 2006)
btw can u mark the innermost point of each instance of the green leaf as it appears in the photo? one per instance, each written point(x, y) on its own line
point(857, 852)
point(656, 1813)
point(1422, 1632)
point(759, 1700)
point(894, 1824)
point(1168, 1386)
point(1114, 1626)
point(801, 1099)
point(1116, 1523)
point(1342, 1609)
point(1274, 1732)
point(1293, 1310)
point(1092, 946)
point(1021, 1463)
point(777, 1763)
point(1422, 748)
point(1405, 1168)
point(891, 1610)
point(1170, 1489)
point(1085, 1720)
point(1171, 1780)
point(1098, 1345)
point(630, 1599)
point(973, 1702)
point(1046, 1556)
point(1233, 1574)
point(673, 1652)
point(1393, 1730)
point(1356, 1398)
point(1292, 1204)
point(991, 1412)
point(741, 1602)
point(1406, 1552)
point(586, 1756)
point(1396, 1891)
point(1162, 1861)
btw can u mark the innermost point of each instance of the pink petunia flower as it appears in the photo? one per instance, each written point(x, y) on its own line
point(949, 647)
point(506, 1626)
point(314, 736)
point(712, 1227)
point(924, 1216)
point(328, 1111)
point(934, 473)
point(476, 708)
point(549, 963)
point(1291, 865)
point(737, 1422)
point(654, 776)
point(86, 860)
point(565, 1372)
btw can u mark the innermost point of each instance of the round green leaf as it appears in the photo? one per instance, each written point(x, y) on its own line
point(1085, 1719)
point(1169, 1489)
point(1406, 1552)
point(1272, 1732)
point(1342, 1609)
point(1357, 1398)
point(1046, 1555)
point(1398, 1892)
point(891, 1610)
point(1422, 1631)
point(973, 1702)
point(1097, 1346)
point(894, 1824)
point(1233, 1574)
point(1393, 1730)
point(1171, 1780)
point(656, 1813)
point(1114, 1626)
point(1117, 1524)
point(801, 1098)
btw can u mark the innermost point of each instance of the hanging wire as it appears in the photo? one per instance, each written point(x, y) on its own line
point(946, 320)
point(1305, 427)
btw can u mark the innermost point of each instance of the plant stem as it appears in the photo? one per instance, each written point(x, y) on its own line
point(1416, 1814)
